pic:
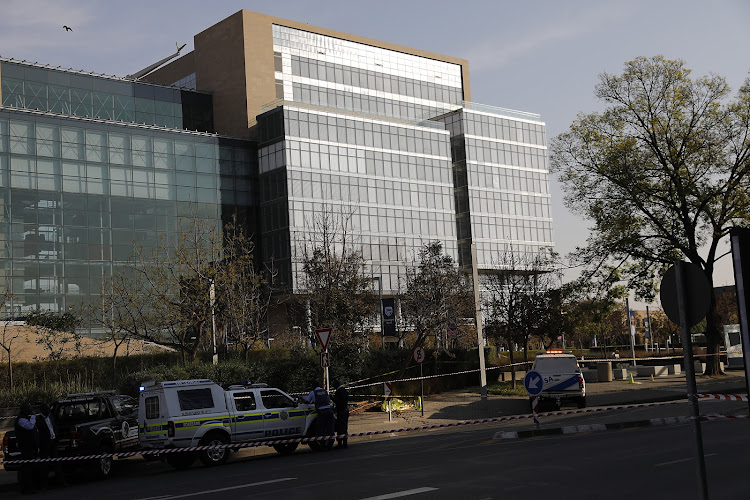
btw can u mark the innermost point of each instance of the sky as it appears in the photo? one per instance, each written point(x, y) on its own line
point(540, 56)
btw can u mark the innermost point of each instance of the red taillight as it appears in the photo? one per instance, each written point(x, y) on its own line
point(170, 429)
point(6, 442)
point(75, 439)
point(580, 382)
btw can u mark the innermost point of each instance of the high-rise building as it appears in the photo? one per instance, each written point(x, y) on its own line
point(282, 121)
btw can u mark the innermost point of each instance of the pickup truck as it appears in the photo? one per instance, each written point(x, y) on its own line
point(188, 413)
point(87, 424)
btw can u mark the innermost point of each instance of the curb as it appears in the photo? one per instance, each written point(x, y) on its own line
point(589, 428)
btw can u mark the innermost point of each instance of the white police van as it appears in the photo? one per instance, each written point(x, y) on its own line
point(186, 413)
point(561, 378)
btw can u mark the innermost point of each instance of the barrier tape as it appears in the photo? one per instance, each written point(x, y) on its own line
point(723, 397)
point(254, 444)
point(722, 417)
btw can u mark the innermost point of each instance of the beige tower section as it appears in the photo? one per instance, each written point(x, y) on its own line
point(233, 60)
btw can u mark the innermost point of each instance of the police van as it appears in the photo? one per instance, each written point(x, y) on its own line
point(186, 413)
point(561, 378)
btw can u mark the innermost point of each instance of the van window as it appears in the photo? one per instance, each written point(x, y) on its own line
point(553, 365)
point(152, 407)
point(244, 401)
point(195, 399)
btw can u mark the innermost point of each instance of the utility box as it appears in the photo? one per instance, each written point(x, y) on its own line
point(604, 371)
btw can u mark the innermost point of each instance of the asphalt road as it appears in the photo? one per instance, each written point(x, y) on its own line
point(643, 463)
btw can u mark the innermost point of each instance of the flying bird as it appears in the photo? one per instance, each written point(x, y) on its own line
point(68, 28)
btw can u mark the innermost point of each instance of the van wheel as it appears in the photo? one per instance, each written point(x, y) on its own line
point(582, 402)
point(214, 457)
point(104, 465)
point(286, 448)
point(180, 460)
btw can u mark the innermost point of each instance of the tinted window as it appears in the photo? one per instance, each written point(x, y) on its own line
point(81, 410)
point(124, 404)
point(275, 399)
point(195, 399)
point(556, 365)
point(244, 401)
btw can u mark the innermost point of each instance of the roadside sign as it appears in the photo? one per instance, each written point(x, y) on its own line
point(325, 360)
point(324, 335)
point(419, 354)
point(533, 383)
point(698, 300)
point(387, 390)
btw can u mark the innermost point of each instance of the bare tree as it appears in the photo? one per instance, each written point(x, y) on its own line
point(437, 293)
point(55, 331)
point(246, 293)
point(336, 289)
point(517, 299)
point(8, 334)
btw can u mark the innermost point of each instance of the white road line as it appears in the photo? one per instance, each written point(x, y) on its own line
point(206, 492)
point(400, 494)
point(683, 460)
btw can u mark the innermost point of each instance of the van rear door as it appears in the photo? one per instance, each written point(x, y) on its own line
point(152, 419)
point(559, 373)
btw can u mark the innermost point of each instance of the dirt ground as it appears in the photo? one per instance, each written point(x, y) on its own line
point(24, 346)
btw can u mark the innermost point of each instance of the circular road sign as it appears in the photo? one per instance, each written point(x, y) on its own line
point(533, 383)
point(419, 354)
point(697, 293)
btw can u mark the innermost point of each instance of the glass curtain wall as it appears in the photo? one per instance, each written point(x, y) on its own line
point(80, 95)
point(501, 185)
point(391, 182)
point(77, 196)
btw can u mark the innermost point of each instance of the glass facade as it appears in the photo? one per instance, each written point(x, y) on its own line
point(77, 195)
point(392, 182)
point(501, 183)
point(81, 95)
point(331, 72)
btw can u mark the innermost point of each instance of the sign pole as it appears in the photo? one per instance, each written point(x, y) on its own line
point(535, 410)
point(421, 384)
point(687, 350)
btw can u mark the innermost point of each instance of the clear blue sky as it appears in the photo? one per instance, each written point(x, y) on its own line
point(539, 56)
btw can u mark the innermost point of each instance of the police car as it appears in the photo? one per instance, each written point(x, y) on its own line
point(186, 413)
point(561, 378)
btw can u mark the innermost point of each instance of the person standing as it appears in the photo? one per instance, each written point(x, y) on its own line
point(324, 422)
point(341, 402)
point(48, 444)
point(27, 440)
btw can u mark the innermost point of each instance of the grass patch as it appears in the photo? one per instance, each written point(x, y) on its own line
point(505, 389)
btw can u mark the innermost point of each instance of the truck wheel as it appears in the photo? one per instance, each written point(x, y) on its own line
point(286, 448)
point(104, 465)
point(582, 402)
point(214, 457)
point(180, 460)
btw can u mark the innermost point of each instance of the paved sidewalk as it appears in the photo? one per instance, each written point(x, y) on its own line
point(455, 406)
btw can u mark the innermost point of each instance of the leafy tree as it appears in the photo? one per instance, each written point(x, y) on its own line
point(662, 173)
point(56, 330)
point(436, 293)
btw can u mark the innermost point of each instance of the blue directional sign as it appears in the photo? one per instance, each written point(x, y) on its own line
point(533, 383)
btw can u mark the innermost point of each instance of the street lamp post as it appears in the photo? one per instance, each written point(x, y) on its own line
point(380, 308)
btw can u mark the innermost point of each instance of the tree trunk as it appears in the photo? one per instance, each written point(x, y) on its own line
point(114, 364)
point(713, 336)
point(512, 367)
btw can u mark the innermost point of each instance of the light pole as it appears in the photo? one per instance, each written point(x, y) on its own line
point(212, 298)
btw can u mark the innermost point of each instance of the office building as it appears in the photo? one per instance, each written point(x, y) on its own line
point(281, 120)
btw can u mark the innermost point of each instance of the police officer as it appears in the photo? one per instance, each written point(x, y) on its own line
point(341, 401)
point(48, 444)
point(324, 422)
point(27, 440)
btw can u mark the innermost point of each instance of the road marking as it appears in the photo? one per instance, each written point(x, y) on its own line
point(684, 460)
point(206, 492)
point(400, 494)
